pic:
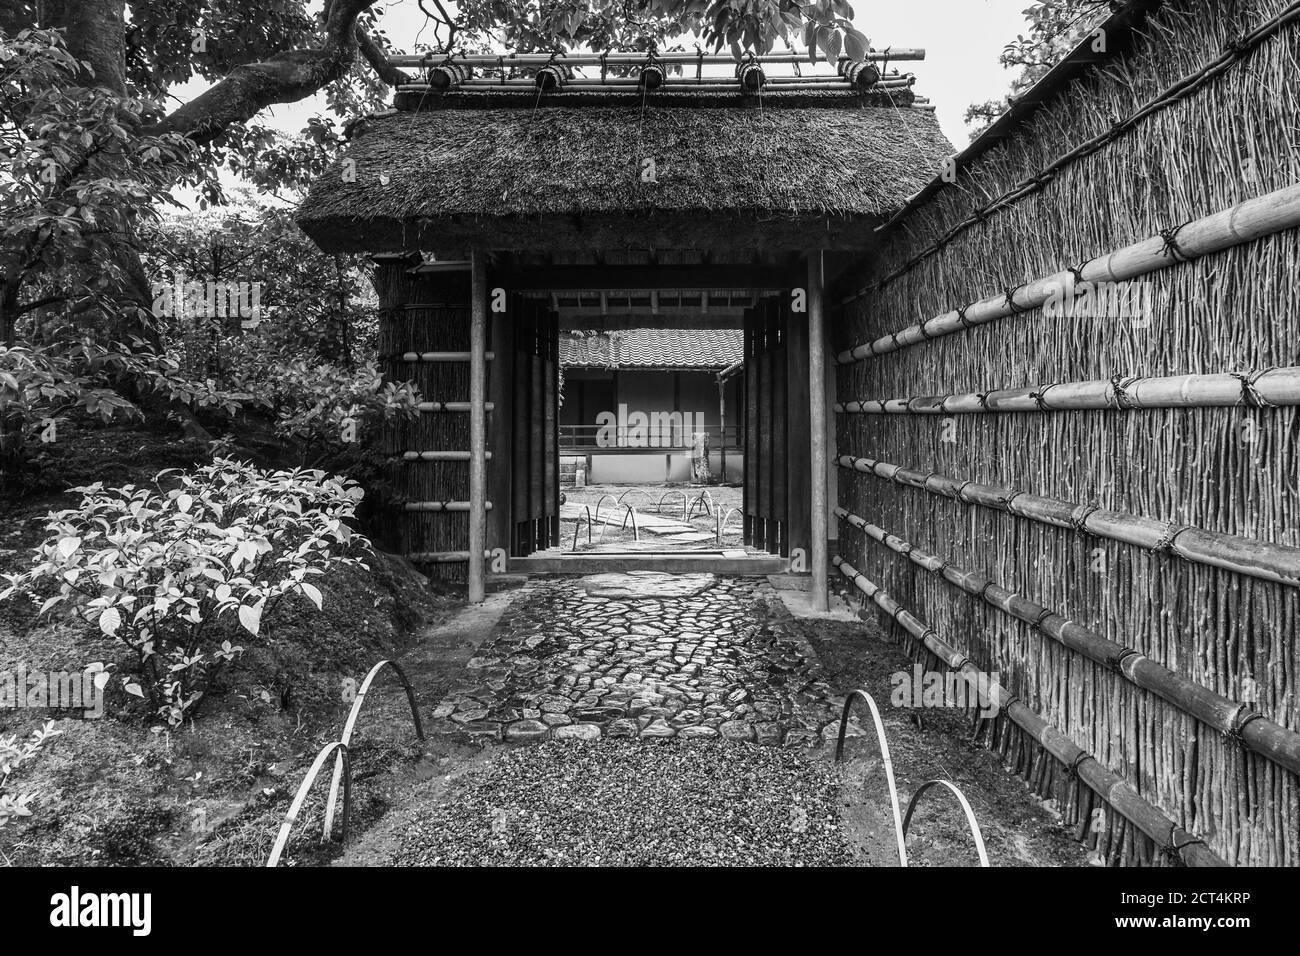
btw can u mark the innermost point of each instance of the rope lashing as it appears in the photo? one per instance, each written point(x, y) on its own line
point(1037, 625)
point(750, 73)
point(1010, 499)
point(1072, 768)
point(961, 317)
point(1040, 398)
point(1010, 301)
point(1117, 662)
point(1079, 517)
point(1244, 715)
point(1171, 249)
point(1120, 385)
point(1166, 542)
point(1250, 393)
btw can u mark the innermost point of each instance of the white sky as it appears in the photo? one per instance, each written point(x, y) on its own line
point(962, 39)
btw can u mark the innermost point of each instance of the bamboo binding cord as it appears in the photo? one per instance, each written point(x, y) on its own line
point(1264, 389)
point(1111, 787)
point(1244, 222)
point(1238, 721)
point(1260, 559)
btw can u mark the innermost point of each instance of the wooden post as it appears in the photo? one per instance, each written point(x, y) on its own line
point(817, 421)
point(477, 425)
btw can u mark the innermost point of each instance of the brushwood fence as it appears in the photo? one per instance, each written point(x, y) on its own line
point(1162, 519)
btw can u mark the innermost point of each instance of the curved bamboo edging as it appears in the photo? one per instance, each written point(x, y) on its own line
point(346, 740)
point(601, 500)
point(884, 756)
point(1259, 559)
point(965, 806)
point(296, 806)
point(1244, 222)
point(668, 494)
point(723, 519)
point(1262, 389)
point(1239, 721)
point(631, 513)
point(578, 527)
point(706, 503)
point(635, 491)
point(1100, 779)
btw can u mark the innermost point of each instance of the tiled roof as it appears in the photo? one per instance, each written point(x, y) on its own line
point(653, 348)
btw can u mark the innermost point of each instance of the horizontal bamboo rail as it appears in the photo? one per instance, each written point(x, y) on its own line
point(1244, 222)
point(1259, 559)
point(1104, 782)
point(440, 455)
point(440, 506)
point(438, 357)
point(442, 557)
point(624, 59)
point(429, 408)
point(1265, 389)
point(1255, 731)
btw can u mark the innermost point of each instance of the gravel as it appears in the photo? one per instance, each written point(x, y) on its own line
point(619, 802)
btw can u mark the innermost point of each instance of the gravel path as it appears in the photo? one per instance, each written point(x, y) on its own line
point(619, 802)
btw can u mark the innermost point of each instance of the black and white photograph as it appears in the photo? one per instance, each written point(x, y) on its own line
point(811, 439)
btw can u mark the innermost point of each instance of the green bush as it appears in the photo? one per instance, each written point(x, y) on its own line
point(157, 570)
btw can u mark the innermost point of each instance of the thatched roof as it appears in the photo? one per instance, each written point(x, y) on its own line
point(653, 349)
point(795, 177)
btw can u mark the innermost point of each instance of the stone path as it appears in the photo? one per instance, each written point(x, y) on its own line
point(644, 655)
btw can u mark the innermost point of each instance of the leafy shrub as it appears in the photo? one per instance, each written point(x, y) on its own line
point(41, 385)
point(157, 569)
point(12, 756)
point(328, 413)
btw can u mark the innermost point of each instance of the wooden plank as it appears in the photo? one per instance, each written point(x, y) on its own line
point(820, 598)
point(521, 389)
point(780, 456)
point(798, 443)
point(500, 438)
point(750, 446)
point(536, 428)
point(554, 433)
point(478, 322)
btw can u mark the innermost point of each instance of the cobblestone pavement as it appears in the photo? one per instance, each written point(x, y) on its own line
point(645, 655)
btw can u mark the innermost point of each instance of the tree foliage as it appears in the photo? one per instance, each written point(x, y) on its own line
point(1055, 27)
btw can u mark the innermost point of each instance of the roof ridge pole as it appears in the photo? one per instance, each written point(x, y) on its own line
point(820, 596)
point(477, 425)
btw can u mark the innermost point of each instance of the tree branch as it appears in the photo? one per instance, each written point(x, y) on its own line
point(378, 60)
point(284, 78)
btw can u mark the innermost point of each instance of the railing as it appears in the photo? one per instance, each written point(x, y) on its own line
point(615, 440)
point(901, 821)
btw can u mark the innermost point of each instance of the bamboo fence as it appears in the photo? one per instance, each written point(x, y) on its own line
point(1087, 773)
point(1227, 468)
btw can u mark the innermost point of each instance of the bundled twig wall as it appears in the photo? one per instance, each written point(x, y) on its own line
point(1229, 469)
point(439, 325)
point(1082, 768)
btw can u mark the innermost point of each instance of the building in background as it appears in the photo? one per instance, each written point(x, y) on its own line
point(634, 401)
